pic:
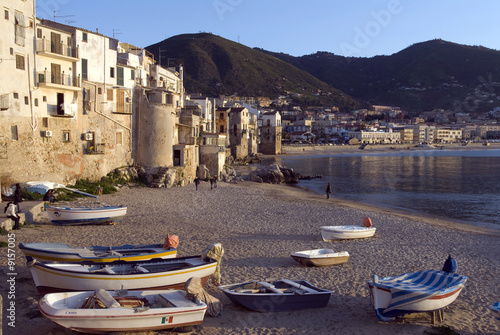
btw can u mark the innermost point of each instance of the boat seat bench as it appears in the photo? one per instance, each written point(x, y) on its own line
point(177, 299)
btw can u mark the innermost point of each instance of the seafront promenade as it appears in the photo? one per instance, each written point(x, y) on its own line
point(259, 226)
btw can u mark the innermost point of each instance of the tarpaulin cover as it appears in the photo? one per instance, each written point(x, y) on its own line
point(215, 251)
point(194, 289)
point(171, 242)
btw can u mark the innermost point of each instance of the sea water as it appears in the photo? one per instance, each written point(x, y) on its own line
point(457, 184)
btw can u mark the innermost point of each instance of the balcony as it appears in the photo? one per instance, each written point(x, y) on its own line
point(98, 149)
point(58, 80)
point(57, 50)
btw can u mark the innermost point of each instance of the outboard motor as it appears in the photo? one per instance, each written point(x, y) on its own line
point(450, 265)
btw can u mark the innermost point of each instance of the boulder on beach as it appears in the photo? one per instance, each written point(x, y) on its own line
point(274, 174)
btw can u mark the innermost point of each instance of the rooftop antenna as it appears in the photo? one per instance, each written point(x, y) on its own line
point(65, 16)
point(116, 32)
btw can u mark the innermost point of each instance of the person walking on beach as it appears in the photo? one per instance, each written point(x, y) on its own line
point(211, 183)
point(328, 190)
point(196, 182)
point(18, 197)
point(11, 210)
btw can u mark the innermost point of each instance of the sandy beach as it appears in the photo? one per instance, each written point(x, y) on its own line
point(260, 225)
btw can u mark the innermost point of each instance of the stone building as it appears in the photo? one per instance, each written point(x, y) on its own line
point(270, 133)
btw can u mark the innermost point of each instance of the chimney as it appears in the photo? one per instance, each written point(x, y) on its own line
point(97, 30)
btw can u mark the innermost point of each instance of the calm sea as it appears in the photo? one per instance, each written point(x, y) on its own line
point(456, 184)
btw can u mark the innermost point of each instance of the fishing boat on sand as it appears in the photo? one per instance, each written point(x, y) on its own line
point(154, 274)
point(330, 233)
point(86, 215)
point(112, 311)
point(320, 257)
point(277, 296)
point(496, 312)
point(422, 291)
point(60, 252)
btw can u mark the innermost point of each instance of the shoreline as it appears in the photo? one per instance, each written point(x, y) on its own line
point(259, 226)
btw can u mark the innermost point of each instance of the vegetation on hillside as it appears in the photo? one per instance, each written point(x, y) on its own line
point(216, 66)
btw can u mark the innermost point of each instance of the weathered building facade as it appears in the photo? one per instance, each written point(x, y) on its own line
point(270, 133)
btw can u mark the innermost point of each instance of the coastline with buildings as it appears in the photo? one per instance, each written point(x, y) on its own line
point(76, 104)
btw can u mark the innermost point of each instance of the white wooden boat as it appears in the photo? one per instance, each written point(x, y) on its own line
point(423, 291)
point(156, 274)
point(60, 252)
point(86, 215)
point(108, 311)
point(496, 312)
point(329, 233)
point(277, 296)
point(320, 257)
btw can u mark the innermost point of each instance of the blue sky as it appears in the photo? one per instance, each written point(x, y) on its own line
point(344, 27)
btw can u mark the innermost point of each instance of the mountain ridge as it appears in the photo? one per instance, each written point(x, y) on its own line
point(424, 76)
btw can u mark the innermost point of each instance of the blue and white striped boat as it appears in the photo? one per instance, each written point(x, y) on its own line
point(86, 215)
point(423, 291)
point(496, 312)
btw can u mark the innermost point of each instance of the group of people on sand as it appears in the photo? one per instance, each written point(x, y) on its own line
point(213, 182)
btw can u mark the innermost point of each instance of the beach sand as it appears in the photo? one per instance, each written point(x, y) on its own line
point(259, 226)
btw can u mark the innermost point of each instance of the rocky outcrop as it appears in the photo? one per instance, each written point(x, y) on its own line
point(274, 174)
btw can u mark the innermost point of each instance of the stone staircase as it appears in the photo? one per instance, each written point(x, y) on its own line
point(30, 210)
point(160, 178)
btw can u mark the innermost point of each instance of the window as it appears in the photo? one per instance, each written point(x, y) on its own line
point(84, 37)
point(84, 69)
point(6, 14)
point(44, 99)
point(110, 94)
point(66, 137)
point(119, 76)
point(16, 95)
point(45, 122)
point(99, 90)
point(112, 72)
point(20, 62)
point(36, 102)
point(26, 101)
point(13, 132)
point(39, 33)
point(132, 74)
point(20, 32)
point(31, 24)
point(119, 138)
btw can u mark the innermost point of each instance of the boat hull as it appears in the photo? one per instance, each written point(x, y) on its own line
point(390, 302)
point(65, 310)
point(330, 233)
point(165, 274)
point(84, 215)
point(320, 257)
point(60, 252)
point(273, 302)
point(496, 312)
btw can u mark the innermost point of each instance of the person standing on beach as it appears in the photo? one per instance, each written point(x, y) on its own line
point(215, 181)
point(211, 183)
point(328, 190)
point(11, 210)
point(196, 182)
point(18, 197)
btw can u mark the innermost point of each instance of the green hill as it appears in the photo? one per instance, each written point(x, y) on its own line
point(424, 76)
point(214, 66)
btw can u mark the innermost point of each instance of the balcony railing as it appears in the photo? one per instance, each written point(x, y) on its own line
point(47, 77)
point(47, 46)
point(98, 149)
